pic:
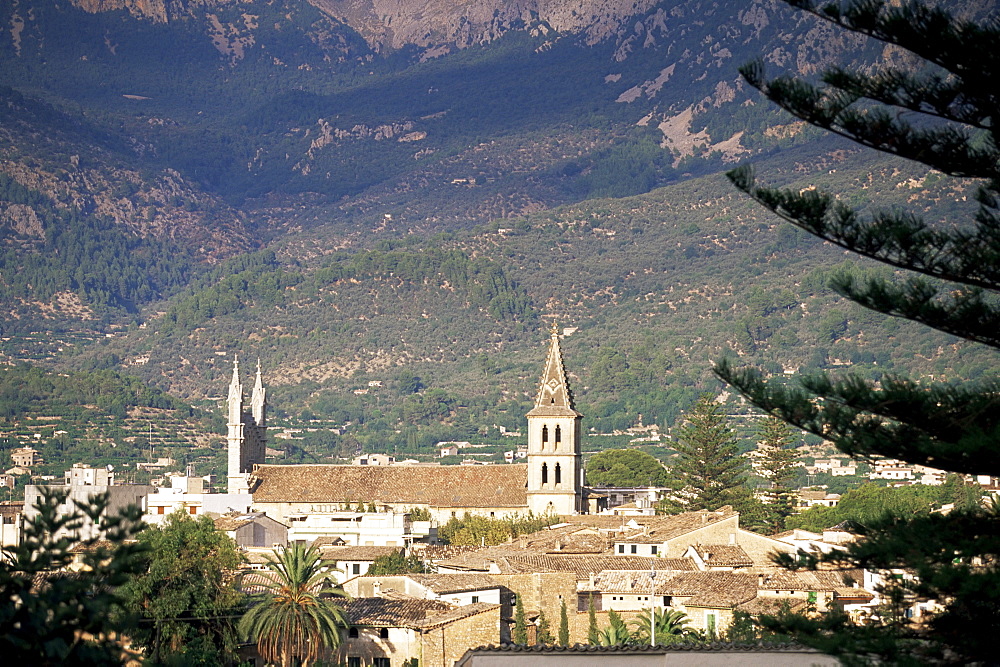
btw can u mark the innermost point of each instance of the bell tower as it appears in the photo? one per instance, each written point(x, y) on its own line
point(247, 431)
point(555, 468)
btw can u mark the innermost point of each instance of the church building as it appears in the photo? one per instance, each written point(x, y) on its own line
point(247, 430)
point(551, 482)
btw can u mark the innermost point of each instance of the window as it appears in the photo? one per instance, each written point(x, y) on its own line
point(667, 600)
point(558, 469)
point(193, 510)
point(621, 548)
point(635, 548)
point(558, 434)
point(353, 634)
point(545, 473)
point(354, 661)
point(545, 434)
point(356, 568)
point(383, 633)
point(654, 549)
point(381, 662)
point(475, 599)
point(161, 509)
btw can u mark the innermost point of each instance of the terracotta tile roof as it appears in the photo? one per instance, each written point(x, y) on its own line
point(454, 583)
point(815, 657)
point(718, 589)
point(437, 486)
point(510, 561)
point(635, 581)
point(229, 523)
point(411, 613)
point(724, 555)
point(392, 613)
point(356, 553)
point(659, 529)
point(457, 613)
point(706, 589)
point(565, 538)
point(436, 552)
point(771, 606)
point(818, 580)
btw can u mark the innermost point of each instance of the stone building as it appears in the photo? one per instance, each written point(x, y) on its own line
point(385, 633)
point(253, 529)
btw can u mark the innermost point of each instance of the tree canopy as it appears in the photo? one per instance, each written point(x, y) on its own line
point(48, 617)
point(186, 596)
point(626, 468)
point(938, 107)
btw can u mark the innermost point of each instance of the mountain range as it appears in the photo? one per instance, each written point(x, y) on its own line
point(375, 191)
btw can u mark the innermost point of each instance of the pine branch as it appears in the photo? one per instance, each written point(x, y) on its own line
point(899, 239)
point(961, 47)
point(949, 428)
point(947, 148)
point(929, 94)
point(966, 314)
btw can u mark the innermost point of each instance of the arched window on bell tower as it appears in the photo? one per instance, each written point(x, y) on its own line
point(558, 473)
point(545, 473)
point(545, 435)
point(558, 435)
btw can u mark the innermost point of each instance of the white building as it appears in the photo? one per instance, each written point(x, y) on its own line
point(363, 529)
point(188, 495)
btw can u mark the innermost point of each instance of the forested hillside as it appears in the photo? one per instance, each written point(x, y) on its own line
point(655, 286)
point(359, 204)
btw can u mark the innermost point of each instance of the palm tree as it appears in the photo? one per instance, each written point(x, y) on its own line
point(616, 633)
point(295, 620)
point(668, 624)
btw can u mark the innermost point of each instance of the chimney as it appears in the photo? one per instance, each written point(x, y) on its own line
point(376, 589)
point(591, 584)
point(732, 538)
point(760, 580)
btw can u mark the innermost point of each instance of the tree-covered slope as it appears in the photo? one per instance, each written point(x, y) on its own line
point(656, 287)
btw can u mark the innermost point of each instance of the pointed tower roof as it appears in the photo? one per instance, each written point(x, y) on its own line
point(235, 388)
point(554, 398)
point(258, 385)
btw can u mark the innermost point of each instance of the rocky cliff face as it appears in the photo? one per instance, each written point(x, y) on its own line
point(394, 24)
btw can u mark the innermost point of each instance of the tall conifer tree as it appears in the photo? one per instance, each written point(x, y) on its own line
point(709, 469)
point(941, 112)
point(777, 463)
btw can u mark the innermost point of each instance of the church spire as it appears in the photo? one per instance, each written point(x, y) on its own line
point(235, 388)
point(235, 402)
point(258, 399)
point(554, 396)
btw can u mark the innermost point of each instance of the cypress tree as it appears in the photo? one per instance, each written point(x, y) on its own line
point(593, 632)
point(520, 635)
point(544, 633)
point(940, 110)
point(563, 624)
